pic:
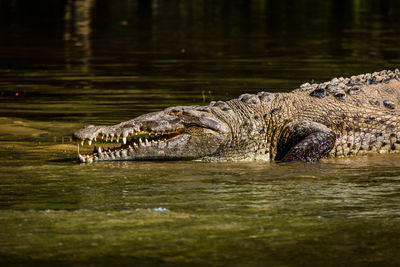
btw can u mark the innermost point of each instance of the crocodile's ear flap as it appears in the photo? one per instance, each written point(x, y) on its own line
point(305, 141)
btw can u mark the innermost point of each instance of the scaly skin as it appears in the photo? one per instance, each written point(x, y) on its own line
point(352, 116)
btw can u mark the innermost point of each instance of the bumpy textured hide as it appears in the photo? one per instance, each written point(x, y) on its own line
point(345, 116)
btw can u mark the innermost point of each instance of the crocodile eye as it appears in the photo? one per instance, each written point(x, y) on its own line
point(174, 111)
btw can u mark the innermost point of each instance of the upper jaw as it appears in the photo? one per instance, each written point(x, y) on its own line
point(146, 124)
point(93, 133)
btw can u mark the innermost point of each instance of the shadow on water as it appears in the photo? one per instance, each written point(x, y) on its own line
point(68, 63)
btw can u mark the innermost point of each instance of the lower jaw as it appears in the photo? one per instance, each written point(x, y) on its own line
point(120, 154)
point(130, 151)
point(137, 151)
point(122, 157)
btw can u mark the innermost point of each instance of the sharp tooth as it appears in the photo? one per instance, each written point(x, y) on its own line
point(117, 139)
point(90, 142)
point(99, 150)
point(147, 141)
point(124, 140)
point(102, 137)
point(82, 142)
point(95, 139)
point(82, 159)
point(140, 140)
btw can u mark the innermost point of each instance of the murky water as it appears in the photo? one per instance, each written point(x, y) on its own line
point(64, 64)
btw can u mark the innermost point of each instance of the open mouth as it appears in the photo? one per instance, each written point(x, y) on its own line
point(129, 145)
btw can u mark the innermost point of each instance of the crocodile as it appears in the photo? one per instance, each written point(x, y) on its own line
point(344, 116)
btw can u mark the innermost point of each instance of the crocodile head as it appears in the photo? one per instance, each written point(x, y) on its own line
point(182, 132)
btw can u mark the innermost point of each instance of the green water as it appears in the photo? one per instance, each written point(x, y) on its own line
point(65, 64)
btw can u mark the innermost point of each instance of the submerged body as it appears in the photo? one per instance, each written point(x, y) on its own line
point(352, 116)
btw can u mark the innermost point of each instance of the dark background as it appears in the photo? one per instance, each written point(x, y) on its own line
point(117, 59)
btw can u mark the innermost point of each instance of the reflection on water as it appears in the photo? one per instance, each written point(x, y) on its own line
point(77, 32)
point(68, 63)
point(344, 211)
